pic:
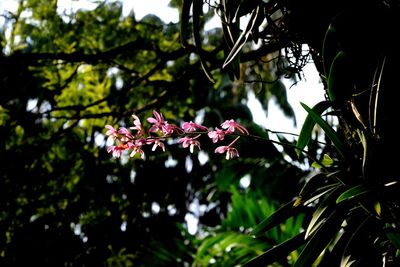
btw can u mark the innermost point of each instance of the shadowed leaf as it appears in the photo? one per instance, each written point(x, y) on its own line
point(277, 252)
point(327, 129)
point(309, 123)
point(281, 215)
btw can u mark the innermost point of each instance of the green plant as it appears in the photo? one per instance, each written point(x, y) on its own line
point(352, 198)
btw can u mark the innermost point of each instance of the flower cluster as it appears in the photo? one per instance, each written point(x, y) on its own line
point(160, 130)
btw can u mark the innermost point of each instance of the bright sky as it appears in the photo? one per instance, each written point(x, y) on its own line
point(141, 7)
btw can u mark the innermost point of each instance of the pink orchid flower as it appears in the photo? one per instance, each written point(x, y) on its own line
point(230, 126)
point(126, 134)
point(190, 142)
point(156, 143)
point(137, 148)
point(134, 143)
point(216, 135)
point(231, 152)
point(169, 129)
point(138, 125)
point(158, 122)
point(116, 150)
point(192, 127)
point(111, 131)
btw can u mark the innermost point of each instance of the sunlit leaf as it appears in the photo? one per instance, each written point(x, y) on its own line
point(326, 162)
point(320, 240)
point(316, 221)
point(346, 262)
point(239, 247)
point(253, 21)
point(352, 193)
point(377, 207)
point(319, 216)
point(321, 192)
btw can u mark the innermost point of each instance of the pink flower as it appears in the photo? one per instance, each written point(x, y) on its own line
point(134, 142)
point(191, 127)
point(116, 150)
point(126, 134)
point(138, 150)
point(216, 135)
point(231, 152)
point(111, 131)
point(190, 141)
point(140, 142)
point(138, 125)
point(231, 126)
point(157, 143)
point(137, 147)
point(169, 129)
point(158, 122)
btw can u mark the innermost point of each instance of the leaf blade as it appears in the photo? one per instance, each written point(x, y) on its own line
point(352, 193)
point(329, 131)
point(279, 216)
point(308, 125)
point(277, 252)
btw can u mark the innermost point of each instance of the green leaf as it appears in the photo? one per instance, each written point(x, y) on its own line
point(231, 32)
point(208, 243)
point(327, 129)
point(352, 193)
point(316, 187)
point(346, 262)
point(329, 48)
point(325, 190)
point(308, 125)
point(238, 247)
point(339, 81)
point(277, 252)
point(312, 184)
point(254, 21)
point(320, 240)
point(278, 217)
point(315, 222)
point(364, 143)
point(317, 219)
point(326, 162)
point(377, 207)
point(394, 238)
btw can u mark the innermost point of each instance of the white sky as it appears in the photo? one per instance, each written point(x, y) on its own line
point(141, 7)
point(309, 91)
